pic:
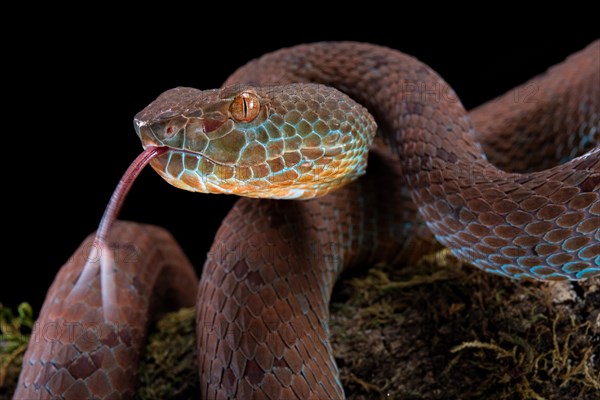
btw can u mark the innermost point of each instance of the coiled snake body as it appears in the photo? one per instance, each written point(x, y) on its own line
point(500, 187)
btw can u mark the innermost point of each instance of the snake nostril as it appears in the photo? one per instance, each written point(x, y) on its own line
point(171, 128)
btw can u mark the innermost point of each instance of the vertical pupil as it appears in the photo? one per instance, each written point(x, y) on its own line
point(245, 107)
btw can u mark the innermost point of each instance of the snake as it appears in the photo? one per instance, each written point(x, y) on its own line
point(512, 187)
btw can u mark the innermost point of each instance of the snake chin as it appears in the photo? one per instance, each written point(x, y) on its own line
point(195, 172)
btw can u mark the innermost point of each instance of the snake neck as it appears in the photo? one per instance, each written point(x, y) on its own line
point(471, 206)
point(418, 113)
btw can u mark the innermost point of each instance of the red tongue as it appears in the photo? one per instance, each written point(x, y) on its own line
point(118, 196)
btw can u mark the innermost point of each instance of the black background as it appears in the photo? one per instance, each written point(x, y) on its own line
point(73, 88)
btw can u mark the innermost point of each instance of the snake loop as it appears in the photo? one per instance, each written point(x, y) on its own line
point(513, 187)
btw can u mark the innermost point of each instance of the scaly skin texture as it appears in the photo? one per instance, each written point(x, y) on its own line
point(306, 141)
point(566, 112)
point(263, 298)
point(73, 352)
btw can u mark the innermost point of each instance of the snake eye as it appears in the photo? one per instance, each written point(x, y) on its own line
point(245, 107)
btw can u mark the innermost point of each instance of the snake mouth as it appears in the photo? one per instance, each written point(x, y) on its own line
point(169, 151)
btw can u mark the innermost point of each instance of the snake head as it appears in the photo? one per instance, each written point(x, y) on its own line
point(293, 141)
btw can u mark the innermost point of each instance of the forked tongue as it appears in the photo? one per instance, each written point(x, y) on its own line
point(101, 256)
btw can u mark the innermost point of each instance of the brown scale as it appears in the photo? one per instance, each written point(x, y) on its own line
point(263, 296)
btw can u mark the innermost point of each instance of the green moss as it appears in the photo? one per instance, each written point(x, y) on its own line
point(441, 329)
point(438, 329)
point(169, 367)
point(14, 336)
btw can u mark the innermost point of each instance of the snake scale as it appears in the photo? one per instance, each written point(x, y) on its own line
point(512, 187)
